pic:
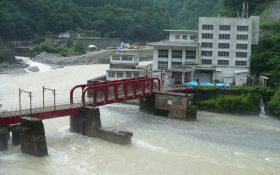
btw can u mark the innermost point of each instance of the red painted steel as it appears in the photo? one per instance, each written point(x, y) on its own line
point(111, 91)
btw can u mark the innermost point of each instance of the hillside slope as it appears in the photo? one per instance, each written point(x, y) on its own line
point(138, 20)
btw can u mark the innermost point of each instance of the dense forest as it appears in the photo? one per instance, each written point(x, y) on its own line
point(137, 20)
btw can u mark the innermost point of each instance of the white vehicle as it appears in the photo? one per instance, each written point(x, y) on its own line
point(92, 47)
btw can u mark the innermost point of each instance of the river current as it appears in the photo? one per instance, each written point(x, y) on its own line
point(215, 144)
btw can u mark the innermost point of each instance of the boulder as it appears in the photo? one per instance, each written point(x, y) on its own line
point(33, 69)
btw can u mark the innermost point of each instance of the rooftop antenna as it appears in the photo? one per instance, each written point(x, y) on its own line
point(245, 10)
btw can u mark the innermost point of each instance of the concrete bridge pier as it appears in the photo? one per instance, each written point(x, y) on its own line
point(147, 105)
point(15, 134)
point(4, 138)
point(32, 137)
point(88, 123)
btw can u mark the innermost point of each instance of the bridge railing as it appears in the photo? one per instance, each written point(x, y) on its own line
point(39, 108)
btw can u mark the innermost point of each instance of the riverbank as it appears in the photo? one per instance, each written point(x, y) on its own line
point(18, 67)
point(58, 61)
point(95, 57)
point(88, 58)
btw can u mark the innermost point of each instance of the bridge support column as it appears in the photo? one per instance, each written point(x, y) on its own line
point(3, 138)
point(15, 134)
point(87, 122)
point(32, 135)
point(147, 104)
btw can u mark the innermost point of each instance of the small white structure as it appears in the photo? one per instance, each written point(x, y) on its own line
point(123, 65)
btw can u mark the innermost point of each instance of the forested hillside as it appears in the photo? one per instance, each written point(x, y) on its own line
point(138, 20)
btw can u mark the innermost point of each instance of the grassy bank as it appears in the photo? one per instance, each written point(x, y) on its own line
point(244, 100)
point(66, 49)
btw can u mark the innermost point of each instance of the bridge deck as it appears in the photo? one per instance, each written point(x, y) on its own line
point(140, 87)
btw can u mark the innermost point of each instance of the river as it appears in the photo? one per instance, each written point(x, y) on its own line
point(215, 144)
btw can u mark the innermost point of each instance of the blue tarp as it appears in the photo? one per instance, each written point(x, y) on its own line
point(206, 84)
point(191, 84)
point(194, 84)
point(222, 85)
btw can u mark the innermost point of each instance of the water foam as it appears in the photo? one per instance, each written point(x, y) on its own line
point(42, 67)
point(145, 144)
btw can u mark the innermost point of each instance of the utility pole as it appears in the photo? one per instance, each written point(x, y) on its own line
point(54, 94)
point(30, 99)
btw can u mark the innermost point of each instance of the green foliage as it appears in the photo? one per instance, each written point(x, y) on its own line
point(79, 49)
point(64, 50)
point(6, 55)
point(141, 20)
point(230, 7)
point(206, 88)
point(245, 103)
point(238, 99)
point(274, 103)
point(265, 57)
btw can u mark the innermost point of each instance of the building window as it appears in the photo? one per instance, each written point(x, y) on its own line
point(223, 54)
point(185, 37)
point(162, 65)
point(176, 64)
point(206, 53)
point(115, 58)
point(223, 62)
point(224, 36)
point(127, 58)
point(193, 37)
point(177, 36)
point(242, 46)
point(119, 75)
point(176, 53)
point(136, 74)
point(128, 75)
point(190, 54)
point(224, 45)
point(111, 74)
point(224, 27)
point(241, 54)
point(206, 61)
point(207, 45)
point(242, 37)
point(163, 53)
point(240, 63)
point(207, 36)
point(242, 28)
point(207, 27)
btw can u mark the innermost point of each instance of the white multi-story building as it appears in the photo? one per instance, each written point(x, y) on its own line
point(174, 54)
point(123, 65)
point(218, 52)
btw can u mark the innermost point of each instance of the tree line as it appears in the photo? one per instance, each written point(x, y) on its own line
point(137, 20)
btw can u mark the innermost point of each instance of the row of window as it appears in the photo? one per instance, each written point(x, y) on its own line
point(224, 54)
point(185, 37)
point(223, 62)
point(125, 57)
point(224, 27)
point(190, 54)
point(224, 36)
point(224, 45)
point(164, 64)
point(121, 74)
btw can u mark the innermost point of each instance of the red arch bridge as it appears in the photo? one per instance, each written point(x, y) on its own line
point(101, 93)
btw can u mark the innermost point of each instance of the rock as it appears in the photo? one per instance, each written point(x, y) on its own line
point(33, 69)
